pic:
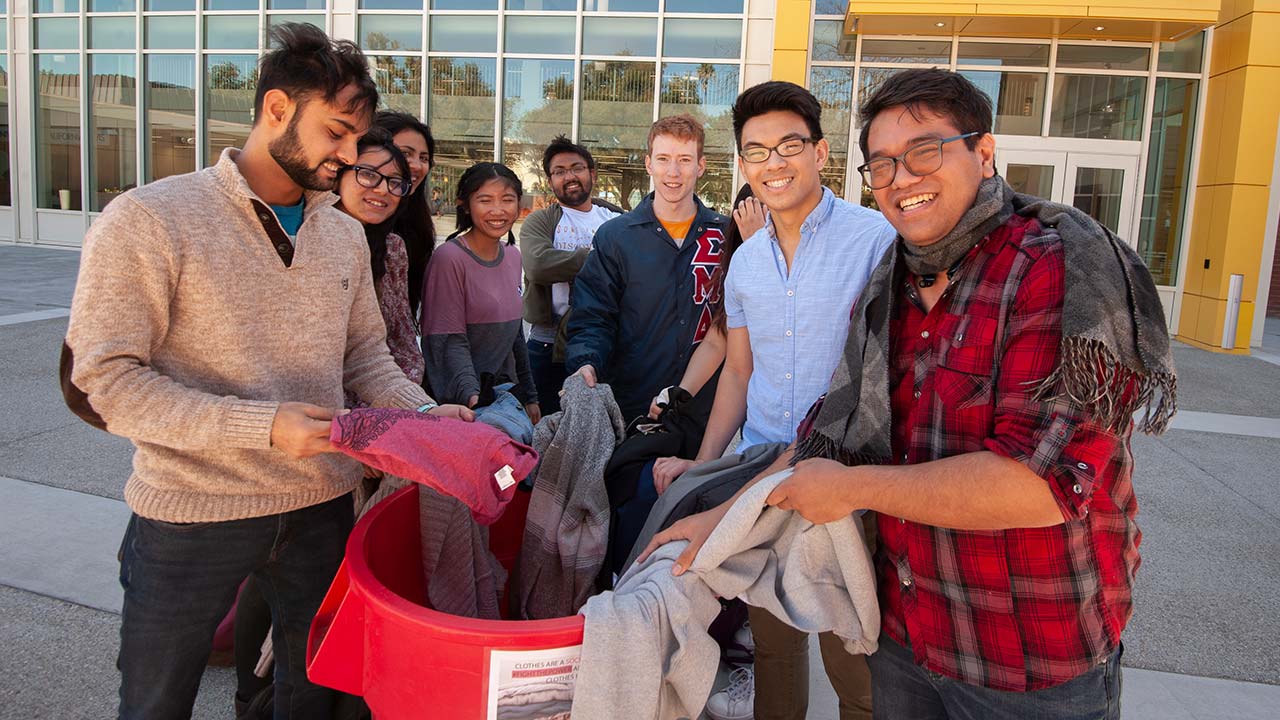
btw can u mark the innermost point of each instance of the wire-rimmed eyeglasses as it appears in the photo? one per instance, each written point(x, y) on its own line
point(919, 160)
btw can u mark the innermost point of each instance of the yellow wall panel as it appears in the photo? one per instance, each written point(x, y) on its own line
point(1190, 316)
point(1246, 228)
point(993, 7)
point(1206, 11)
point(1212, 143)
point(1256, 148)
point(1244, 324)
point(1198, 239)
point(1232, 107)
point(1230, 47)
point(790, 65)
point(1264, 31)
point(1215, 243)
point(791, 25)
point(1209, 326)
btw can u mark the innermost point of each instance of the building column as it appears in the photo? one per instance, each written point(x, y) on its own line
point(1237, 158)
point(791, 40)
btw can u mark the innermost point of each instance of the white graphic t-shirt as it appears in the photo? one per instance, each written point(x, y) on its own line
point(575, 230)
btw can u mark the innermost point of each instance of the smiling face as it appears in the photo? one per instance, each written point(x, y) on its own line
point(924, 209)
point(675, 166)
point(414, 147)
point(783, 184)
point(371, 206)
point(571, 179)
point(494, 209)
point(319, 137)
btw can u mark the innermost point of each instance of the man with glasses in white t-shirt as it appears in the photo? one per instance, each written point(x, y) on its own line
point(554, 243)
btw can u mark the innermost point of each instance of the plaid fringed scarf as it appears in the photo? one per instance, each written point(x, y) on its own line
point(1115, 355)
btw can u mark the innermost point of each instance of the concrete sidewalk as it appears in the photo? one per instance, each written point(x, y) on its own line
point(1207, 602)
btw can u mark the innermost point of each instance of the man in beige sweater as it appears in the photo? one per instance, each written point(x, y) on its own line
point(217, 319)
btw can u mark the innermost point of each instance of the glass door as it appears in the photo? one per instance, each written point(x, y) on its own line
point(1034, 172)
point(1105, 187)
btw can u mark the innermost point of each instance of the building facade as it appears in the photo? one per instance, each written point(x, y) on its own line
point(1159, 117)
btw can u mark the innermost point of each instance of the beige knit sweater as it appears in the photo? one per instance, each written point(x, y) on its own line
point(188, 329)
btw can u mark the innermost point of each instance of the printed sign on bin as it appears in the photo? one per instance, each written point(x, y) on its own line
point(532, 684)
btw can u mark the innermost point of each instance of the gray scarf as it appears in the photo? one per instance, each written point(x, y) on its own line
point(1114, 357)
point(988, 212)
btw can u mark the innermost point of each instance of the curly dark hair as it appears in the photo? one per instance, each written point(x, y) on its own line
point(305, 63)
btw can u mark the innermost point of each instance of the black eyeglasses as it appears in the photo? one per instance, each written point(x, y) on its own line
point(786, 148)
point(919, 160)
point(371, 178)
point(574, 169)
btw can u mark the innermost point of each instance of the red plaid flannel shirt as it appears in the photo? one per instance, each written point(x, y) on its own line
point(1017, 609)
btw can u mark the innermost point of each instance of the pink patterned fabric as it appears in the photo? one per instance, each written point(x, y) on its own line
point(455, 458)
point(393, 300)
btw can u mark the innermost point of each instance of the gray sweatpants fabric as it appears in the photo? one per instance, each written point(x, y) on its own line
point(645, 646)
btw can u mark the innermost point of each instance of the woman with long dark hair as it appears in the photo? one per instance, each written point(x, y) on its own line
point(473, 336)
point(414, 223)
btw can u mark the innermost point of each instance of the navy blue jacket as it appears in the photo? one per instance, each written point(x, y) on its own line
point(641, 304)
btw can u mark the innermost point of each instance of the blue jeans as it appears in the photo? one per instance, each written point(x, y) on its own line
point(179, 581)
point(902, 690)
point(548, 376)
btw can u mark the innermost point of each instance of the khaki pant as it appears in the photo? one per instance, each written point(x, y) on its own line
point(782, 671)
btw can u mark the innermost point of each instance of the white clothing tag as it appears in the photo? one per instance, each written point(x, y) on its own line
point(504, 477)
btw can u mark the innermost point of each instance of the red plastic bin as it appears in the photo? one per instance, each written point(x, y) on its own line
point(372, 636)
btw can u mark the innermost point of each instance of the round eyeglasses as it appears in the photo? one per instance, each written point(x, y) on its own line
point(371, 178)
point(786, 148)
point(919, 160)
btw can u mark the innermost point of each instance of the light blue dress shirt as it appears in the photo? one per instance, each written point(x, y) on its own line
point(798, 321)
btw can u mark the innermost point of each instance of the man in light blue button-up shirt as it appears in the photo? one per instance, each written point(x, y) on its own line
point(788, 295)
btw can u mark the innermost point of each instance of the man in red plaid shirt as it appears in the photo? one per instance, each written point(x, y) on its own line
point(983, 412)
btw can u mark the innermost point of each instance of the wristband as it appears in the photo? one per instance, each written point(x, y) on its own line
point(428, 407)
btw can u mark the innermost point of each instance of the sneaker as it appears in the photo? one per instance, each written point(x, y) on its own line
point(737, 701)
point(744, 638)
point(741, 650)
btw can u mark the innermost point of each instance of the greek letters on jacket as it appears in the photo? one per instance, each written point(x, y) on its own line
point(706, 291)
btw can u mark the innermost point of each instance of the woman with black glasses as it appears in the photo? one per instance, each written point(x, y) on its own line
point(372, 191)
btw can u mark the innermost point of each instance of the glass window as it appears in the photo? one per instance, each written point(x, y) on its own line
point(113, 156)
point(111, 6)
point(464, 4)
point(231, 81)
point(460, 112)
point(620, 6)
point(1017, 99)
point(171, 115)
point(5, 189)
point(1164, 198)
point(390, 32)
point(232, 4)
point(870, 80)
point(1097, 106)
point(827, 36)
point(170, 5)
point(925, 52)
point(540, 35)
point(1184, 55)
point(58, 132)
point(1003, 54)
point(706, 91)
point(279, 19)
point(537, 105)
point(545, 5)
point(399, 82)
point(391, 4)
point(617, 110)
point(704, 6)
point(231, 32)
point(1104, 57)
point(57, 6)
point(112, 33)
point(57, 33)
point(1031, 179)
point(295, 4)
point(830, 7)
point(464, 33)
point(690, 37)
point(833, 86)
point(619, 36)
point(171, 33)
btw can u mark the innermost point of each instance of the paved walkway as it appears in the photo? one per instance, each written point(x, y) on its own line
point(1209, 483)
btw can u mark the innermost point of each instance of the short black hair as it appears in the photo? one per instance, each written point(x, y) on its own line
point(945, 93)
point(773, 96)
point(305, 64)
point(561, 144)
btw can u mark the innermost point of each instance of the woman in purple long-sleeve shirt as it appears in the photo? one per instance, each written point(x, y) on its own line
point(473, 289)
